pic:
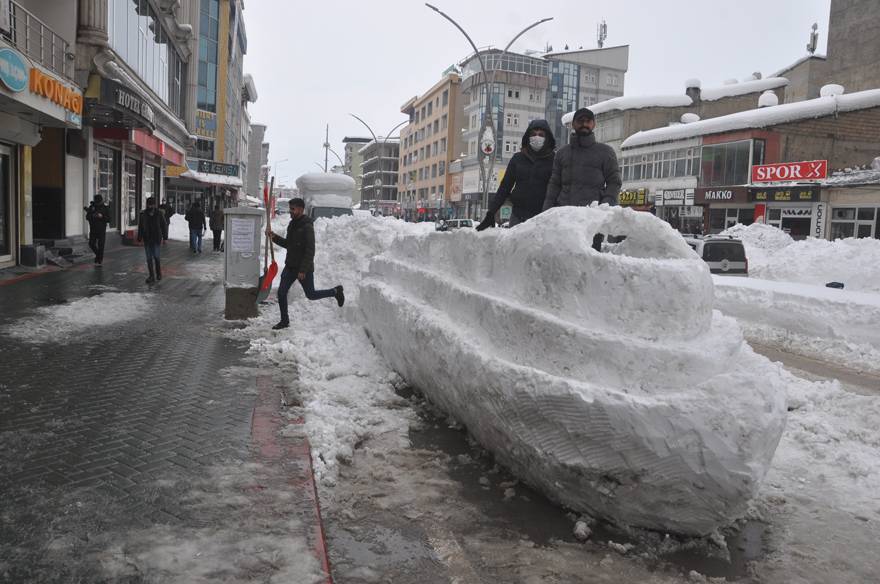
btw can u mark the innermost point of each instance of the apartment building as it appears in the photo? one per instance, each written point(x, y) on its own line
point(428, 143)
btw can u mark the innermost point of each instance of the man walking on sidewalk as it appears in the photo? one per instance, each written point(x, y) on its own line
point(152, 230)
point(98, 216)
point(300, 261)
point(196, 219)
point(217, 226)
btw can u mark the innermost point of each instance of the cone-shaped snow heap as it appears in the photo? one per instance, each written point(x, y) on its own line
point(603, 379)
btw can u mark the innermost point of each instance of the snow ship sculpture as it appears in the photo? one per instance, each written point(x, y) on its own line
point(605, 380)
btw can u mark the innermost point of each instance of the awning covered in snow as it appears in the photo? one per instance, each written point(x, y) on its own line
point(212, 179)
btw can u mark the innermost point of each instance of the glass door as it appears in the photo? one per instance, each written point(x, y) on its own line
point(6, 207)
point(132, 189)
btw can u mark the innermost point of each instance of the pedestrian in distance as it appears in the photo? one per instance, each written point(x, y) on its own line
point(168, 210)
point(217, 226)
point(153, 231)
point(196, 219)
point(98, 216)
point(300, 261)
point(526, 178)
point(585, 171)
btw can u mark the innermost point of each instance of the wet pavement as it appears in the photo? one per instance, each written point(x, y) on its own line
point(128, 452)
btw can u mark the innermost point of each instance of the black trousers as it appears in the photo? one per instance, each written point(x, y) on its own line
point(96, 244)
point(218, 235)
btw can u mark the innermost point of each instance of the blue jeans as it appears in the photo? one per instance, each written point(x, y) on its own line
point(195, 239)
point(288, 276)
point(152, 250)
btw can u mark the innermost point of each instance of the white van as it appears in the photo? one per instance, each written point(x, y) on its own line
point(326, 194)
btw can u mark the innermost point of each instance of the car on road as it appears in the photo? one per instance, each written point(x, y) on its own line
point(459, 223)
point(725, 255)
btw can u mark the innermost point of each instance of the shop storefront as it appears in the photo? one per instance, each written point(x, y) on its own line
point(724, 207)
point(208, 182)
point(38, 109)
point(676, 207)
point(853, 211)
point(792, 209)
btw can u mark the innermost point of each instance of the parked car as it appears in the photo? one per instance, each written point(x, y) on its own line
point(725, 255)
point(459, 223)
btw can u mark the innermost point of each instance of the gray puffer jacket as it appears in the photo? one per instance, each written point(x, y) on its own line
point(583, 171)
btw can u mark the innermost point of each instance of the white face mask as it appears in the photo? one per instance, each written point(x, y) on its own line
point(536, 142)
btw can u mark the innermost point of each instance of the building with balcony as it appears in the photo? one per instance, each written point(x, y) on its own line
point(379, 177)
point(352, 165)
point(42, 190)
point(428, 143)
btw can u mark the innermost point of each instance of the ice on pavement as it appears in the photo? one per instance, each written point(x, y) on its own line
point(606, 380)
point(58, 322)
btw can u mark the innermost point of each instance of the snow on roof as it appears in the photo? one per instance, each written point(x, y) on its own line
point(319, 182)
point(391, 140)
point(211, 178)
point(682, 100)
point(803, 59)
point(735, 89)
point(759, 118)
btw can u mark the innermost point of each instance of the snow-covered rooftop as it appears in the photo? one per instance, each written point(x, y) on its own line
point(391, 140)
point(759, 118)
point(682, 100)
point(213, 179)
point(803, 59)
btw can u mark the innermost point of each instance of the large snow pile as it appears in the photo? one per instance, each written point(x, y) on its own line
point(819, 322)
point(178, 230)
point(760, 240)
point(817, 261)
point(604, 379)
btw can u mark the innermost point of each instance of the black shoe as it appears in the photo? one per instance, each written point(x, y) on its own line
point(280, 325)
point(340, 296)
point(158, 269)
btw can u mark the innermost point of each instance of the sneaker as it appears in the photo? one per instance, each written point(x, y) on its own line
point(280, 325)
point(340, 296)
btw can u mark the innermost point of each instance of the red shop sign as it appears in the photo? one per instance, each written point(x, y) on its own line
point(790, 171)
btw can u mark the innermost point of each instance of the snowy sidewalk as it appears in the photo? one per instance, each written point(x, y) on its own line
point(136, 441)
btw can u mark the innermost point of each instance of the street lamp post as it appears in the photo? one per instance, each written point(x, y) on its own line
point(377, 184)
point(488, 134)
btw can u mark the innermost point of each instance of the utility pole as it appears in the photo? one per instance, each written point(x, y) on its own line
point(326, 146)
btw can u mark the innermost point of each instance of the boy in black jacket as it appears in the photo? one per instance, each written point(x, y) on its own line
point(152, 230)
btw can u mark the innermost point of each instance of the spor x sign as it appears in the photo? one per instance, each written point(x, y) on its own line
point(790, 171)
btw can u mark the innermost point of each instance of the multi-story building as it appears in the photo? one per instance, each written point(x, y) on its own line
point(354, 161)
point(379, 184)
point(218, 93)
point(854, 45)
point(582, 78)
point(254, 182)
point(428, 143)
point(519, 96)
point(43, 145)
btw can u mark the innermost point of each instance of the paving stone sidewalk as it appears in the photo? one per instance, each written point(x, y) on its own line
point(147, 450)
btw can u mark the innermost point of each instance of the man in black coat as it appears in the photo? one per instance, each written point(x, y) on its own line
point(525, 180)
point(584, 171)
point(98, 216)
point(152, 230)
point(300, 261)
point(196, 219)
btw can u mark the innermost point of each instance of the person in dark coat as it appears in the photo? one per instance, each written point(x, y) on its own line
point(196, 219)
point(217, 226)
point(525, 180)
point(300, 261)
point(584, 171)
point(152, 230)
point(98, 216)
point(168, 210)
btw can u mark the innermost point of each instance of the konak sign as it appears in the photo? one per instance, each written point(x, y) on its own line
point(790, 171)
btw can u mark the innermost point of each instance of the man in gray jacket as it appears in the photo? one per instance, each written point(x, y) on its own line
point(584, 170)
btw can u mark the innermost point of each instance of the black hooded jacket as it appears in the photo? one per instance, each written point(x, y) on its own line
point(528, 172)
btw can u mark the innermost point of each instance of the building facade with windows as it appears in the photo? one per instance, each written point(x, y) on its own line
point(254, 183)
point(428, 143)
point(353, 162)
point(379, 177)
point(719, 155)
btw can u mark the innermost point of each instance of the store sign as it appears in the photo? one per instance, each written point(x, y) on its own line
point(790, 171)
point(785, 195)
point(206, 124)
point(817, 227)
point(67, 97)
point(633, 197)
point(675, 197)
point(211, 167)
point(721, 195)
point(13, 70)
point(131, 102)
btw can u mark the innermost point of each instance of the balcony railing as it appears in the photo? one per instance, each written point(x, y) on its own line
point(34, 38)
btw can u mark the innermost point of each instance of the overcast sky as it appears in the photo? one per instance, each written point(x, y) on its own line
point(315, 62)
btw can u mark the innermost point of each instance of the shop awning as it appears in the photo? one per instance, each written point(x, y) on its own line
point(212, 179)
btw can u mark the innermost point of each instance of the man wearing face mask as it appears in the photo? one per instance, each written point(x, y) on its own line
point(526, 177)
point(585, 171)
point(152, 230)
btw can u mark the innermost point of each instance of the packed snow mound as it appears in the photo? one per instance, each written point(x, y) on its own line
point(759, 239)
point(603, 379)
point(818, 261)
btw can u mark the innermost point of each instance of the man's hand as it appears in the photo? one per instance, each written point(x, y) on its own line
point(301, 276)
point(488, 221)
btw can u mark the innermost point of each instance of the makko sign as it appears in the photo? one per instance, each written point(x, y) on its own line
point(790, 171)
point(709, 195)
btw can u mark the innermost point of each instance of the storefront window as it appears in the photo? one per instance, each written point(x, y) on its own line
point(151, 183)
point(209, 26)
point(726, 164)
point(5, 185)
point(104, 181)
point(842, 230)
point(855, 222)
point(132, 180)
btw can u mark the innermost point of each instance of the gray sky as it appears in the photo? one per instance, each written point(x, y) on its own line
point(315, 62)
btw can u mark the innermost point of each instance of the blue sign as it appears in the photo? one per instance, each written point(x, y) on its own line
point(13, 70)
